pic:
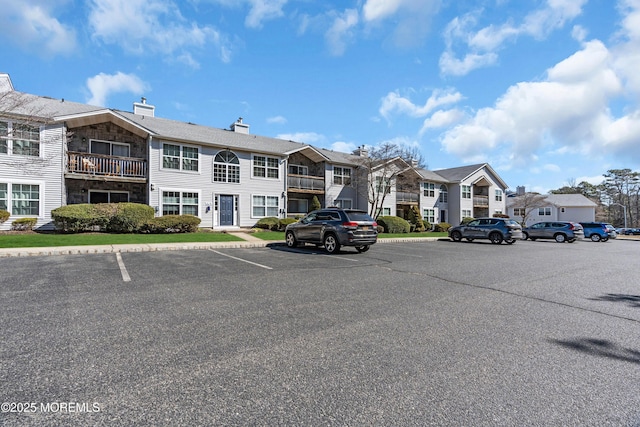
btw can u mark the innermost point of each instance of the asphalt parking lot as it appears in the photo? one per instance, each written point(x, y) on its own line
point(429, 333)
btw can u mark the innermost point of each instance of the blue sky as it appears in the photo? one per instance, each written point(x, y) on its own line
point(547, 92)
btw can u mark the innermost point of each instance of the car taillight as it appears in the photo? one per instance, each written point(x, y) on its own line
point(350, 224)
point(374, 225)
point(571, 227)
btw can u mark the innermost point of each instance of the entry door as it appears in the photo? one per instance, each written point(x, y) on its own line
point(226, 210)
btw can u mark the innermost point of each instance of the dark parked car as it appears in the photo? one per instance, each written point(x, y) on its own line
point(333, 228)
point(560, 231)
point(631, 231)
point(495, 229)
point(598, 231)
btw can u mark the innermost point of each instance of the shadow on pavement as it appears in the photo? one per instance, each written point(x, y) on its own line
point(600, 348)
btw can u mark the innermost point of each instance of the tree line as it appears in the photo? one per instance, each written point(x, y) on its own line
point(617, 197)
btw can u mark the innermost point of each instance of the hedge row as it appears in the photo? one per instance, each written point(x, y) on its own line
point(4, 215)
point(274, 224)
point(119, 218)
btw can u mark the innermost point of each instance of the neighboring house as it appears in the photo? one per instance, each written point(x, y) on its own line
point(557, 207)
point(54, 152)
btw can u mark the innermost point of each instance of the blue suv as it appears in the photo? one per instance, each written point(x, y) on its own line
point(598, 231)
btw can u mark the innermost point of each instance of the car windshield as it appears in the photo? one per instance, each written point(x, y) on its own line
point(511, 222)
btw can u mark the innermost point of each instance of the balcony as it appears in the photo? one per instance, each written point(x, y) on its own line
point(481, 201)
point(405, 197)
point(98, 166)
point(305, 184)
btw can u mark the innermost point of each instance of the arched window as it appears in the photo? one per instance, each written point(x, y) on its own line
point(444, 194)
point(226, 167)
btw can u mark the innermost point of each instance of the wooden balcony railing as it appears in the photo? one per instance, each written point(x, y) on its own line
point(101, 165)
point(305, 183)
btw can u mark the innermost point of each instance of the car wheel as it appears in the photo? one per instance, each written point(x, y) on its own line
point(525, 236)
point(510, 241)
point(560, 238)
point(605, 238)
point(571, 240)
point(496, 238)
point(456, 236)
point(595, 238)
point(331, 244)
point(290, 238)
point(362, 249)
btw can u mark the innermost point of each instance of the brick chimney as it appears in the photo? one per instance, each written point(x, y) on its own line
point(143, 109)
point(240, 127)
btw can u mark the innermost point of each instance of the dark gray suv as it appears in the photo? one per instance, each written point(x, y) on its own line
point(497, 230)
point(333, 228)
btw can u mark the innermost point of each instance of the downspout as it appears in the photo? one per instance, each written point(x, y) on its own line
point(149, 151)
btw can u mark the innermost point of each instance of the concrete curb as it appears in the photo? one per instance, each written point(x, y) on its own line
point(250, 242)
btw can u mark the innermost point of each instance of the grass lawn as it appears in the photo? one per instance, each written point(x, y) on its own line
point(279, 235)
point(32, 240)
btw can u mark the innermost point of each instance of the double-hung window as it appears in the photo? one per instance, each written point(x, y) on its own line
point(429, 189)
point(298, 170)
point(498, 195)
point(466, 213)
point(429, 215)
point(444, 194)
point(341, 176)
point(466, 191)
point(20, 199)
point(266, 167)
point(544, 211)
point(263, 206)
point(180, 157)
point(518, 212)
point(226, 167)
point(180, 203)
point(19, 139)
point(383, 184)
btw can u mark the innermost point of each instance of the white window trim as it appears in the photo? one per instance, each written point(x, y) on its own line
point(181, 190)
point(41, 201)
point(344, 200)
point(298, 166)
point(342, 175)
point(9, 139)
point(429, 187)
point(462, 191)
point(265, 206)
point(213, 169)
point(180, 170)
point(266, 168)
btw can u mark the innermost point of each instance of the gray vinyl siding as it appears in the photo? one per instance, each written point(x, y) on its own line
point(45, 171)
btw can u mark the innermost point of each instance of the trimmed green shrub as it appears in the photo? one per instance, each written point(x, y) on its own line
point(443, 226)
point(315, 204)
point(23, 224)
point(129, 217)
point(286, 221)
point(268, 223)
point(4, 215)
point(394, 224)
point(82, 217)
point(171, 224)
point(427, 225)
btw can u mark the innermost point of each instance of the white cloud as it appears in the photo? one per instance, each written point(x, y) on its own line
point(395, 103)
point(380, 9)
point(102, 85)
point(569, 109)
point(341, 32)
point(481, 45)
point(156, 26)
point(343, 147)
point(263, 10)
point(442, 119)
point(305, 137)
point(33, 24)
point(280, 120)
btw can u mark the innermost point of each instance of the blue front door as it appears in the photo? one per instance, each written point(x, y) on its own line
point(226, 210)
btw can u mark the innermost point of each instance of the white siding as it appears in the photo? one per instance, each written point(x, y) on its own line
point(48, 168)
point(202, 181)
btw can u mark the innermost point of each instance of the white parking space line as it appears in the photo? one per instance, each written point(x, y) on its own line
point(123, 269)
point(243, 260)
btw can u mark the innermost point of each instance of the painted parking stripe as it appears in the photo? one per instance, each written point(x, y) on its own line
point(123, 269)
point(243, 260)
